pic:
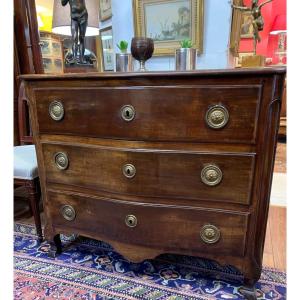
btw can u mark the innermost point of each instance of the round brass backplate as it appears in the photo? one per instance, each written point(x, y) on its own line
point(211, 175)
point(131, 221)
point(56, 110)
point(217, 117)
point(68, 212)
point(210, 234)
point(127, 113)
point(129, 170)
point(61, 160)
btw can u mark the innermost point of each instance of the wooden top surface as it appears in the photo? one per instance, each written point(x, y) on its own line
point(210, 72)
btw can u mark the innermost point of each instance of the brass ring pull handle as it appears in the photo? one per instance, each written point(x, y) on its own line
point(211, 175)
point(210, 234)
point(68, 212)
point(61, 160)
point(217, 117)
point(128, 113)
point(129, 170)
point(56, 110)
point(131, 221)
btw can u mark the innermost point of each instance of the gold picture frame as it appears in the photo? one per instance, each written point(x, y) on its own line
point(149, 15)
point(236, 23)
point(247, 29)
point(105, 10)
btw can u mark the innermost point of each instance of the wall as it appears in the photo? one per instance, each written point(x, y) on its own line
point(217, 25)
point(269, 42)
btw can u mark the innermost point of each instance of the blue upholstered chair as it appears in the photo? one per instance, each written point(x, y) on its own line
point(26, 169)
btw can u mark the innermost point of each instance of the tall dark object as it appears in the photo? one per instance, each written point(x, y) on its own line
point(79, 22)
point(183, 160)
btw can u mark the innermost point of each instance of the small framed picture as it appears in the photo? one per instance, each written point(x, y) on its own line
point(105, 11)
point(247, 26)
point(52, 52)
point(106, 37)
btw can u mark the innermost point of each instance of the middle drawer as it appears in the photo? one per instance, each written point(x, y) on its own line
point(222, 177)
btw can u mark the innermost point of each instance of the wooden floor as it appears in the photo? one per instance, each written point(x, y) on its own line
point(275, 243)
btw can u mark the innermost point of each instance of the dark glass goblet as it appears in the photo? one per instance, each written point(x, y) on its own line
point(142, 49)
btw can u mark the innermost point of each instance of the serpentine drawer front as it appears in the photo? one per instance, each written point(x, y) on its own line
point(215, 177)
point(154, 226)
point(152, 163)
point(196, 113)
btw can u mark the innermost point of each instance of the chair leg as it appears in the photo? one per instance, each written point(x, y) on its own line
point(34, 197)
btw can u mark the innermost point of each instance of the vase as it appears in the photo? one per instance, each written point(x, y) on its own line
point(124, 62)
point(185, 59)
point(142, 49)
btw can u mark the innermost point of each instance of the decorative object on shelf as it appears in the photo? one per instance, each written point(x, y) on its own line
point(279, 28)
point(258, 25)
point(168, 22)
point(106, 36)
point(238, 60)
point(52, 52)
point(105, 10)
point(91, 56)
point(186, 56)
point(79, 20)
point(124, 61)
point(142, 49)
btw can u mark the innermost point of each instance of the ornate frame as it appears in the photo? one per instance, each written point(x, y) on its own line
point(236, 26)
point(168, 48)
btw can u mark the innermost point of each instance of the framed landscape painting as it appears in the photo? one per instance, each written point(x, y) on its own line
point(168, 22)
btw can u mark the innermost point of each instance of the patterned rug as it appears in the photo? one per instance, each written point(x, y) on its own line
point(92, 270)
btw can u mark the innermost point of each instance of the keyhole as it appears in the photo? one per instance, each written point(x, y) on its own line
point(127, 113)
point(128, 171)
point(130, 222)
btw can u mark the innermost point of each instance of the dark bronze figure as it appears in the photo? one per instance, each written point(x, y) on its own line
point(258, 21)
point(79, 21)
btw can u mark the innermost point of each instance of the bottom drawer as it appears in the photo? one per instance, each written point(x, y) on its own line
point(154, 225)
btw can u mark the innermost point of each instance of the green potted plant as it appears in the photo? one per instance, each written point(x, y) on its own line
point(124, 62)
point(185, 56)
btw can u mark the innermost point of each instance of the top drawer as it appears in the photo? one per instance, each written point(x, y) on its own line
point(186, 113)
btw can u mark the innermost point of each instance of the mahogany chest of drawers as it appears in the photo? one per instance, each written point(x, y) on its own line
point(162, 162)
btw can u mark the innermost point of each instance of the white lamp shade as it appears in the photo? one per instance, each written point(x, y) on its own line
point(61, 22)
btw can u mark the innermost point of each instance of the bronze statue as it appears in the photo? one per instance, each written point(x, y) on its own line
point(258, 21)
point(79, 21)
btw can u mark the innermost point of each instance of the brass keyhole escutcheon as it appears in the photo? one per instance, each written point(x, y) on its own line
point(129, 170)
point(127, 113)
point(217, 117)
point(56, 110)
point(131, 221)
point(68, 212)
point(211, 175)
point(61, 160)
point(210, 234)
